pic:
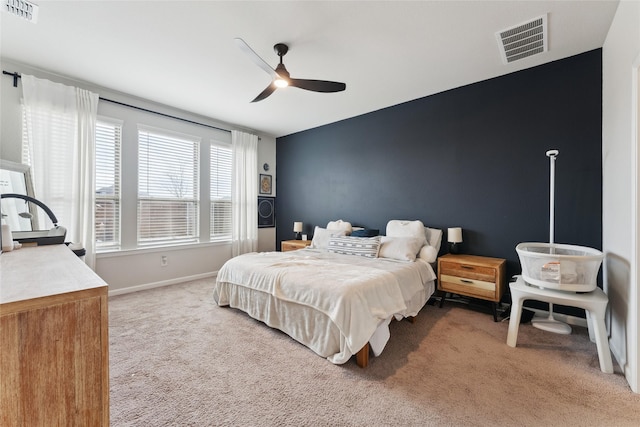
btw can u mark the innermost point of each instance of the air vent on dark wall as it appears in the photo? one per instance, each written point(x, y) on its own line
point(22, 8)
point(523, 40)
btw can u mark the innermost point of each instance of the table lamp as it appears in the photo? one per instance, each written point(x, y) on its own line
point(454, 237)
point(297, 228)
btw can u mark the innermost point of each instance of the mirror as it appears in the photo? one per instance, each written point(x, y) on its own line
point(18, 214)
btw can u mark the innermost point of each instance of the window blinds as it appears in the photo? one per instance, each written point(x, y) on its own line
point(220, 176)
point(107, 173)
point(167, 187)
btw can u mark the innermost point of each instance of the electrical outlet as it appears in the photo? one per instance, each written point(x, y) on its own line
point(164, 261)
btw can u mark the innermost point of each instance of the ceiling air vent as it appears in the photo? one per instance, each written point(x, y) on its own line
point(527, 39)
point(22, 9)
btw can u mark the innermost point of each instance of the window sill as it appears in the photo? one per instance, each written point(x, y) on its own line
point(108, 253)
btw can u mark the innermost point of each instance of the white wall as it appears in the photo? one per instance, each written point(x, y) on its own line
point(267, 154)
point(132, 268)
point(620, 185)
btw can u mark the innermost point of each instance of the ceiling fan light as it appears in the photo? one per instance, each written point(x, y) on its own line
point(281, 83)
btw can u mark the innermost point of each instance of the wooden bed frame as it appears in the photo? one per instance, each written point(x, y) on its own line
point(362, 356)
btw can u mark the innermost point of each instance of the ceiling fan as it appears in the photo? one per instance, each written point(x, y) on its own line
point(281, 77)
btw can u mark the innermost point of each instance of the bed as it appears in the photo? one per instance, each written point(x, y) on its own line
point(338, 296)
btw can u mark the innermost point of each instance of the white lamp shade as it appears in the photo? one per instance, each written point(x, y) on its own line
point(297, 227)
point(454, 235)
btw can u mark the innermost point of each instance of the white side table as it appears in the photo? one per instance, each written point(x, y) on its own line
point(594, 303)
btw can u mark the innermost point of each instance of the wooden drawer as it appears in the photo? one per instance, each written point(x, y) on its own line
point(470, 287)
point(467, 270)
point(293, 245)
point(473, 276)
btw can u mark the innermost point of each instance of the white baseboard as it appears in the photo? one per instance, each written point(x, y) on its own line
point(160, 284)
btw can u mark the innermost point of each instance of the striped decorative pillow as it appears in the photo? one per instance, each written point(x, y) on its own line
point(360, 246)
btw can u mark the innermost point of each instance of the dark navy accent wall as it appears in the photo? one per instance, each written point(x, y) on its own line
point(472, 157)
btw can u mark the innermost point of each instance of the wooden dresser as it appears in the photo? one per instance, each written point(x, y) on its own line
point(54, 340)
point(473, 276)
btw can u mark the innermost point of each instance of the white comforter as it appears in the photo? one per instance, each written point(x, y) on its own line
point(358, 294)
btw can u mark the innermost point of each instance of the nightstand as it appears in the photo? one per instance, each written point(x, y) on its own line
point(293, 245)
point(473, 276)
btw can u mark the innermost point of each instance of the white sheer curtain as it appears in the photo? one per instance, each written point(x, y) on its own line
point(244, 193)
point(60, 128)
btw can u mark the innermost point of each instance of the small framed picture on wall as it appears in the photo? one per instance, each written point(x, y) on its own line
point(265, 184)
point(266, 212)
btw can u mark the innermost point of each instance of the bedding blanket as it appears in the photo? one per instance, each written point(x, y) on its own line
point(356, 293)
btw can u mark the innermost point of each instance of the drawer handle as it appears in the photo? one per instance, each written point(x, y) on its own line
point(466, 281)
point(468, 267)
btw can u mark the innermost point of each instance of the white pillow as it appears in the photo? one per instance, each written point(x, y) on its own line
point(340, 225)
point(428, 253)
point(434, 237)
point(321, 237)
point(399, 228)
point(361, 246)
point(400, 248)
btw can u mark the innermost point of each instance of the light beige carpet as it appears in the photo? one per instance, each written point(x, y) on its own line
point(177, 359)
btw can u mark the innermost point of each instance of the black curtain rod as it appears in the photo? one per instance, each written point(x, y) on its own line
point(16, 76)
point(162, 114)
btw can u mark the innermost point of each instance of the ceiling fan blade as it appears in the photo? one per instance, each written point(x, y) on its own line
point(255, 58)
point(268, 91)
point(318, 85)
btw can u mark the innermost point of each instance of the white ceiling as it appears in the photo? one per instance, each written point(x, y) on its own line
point(183, 54)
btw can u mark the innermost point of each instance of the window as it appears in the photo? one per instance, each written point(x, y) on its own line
point(220, 175)
point(107, 215)
point(167, 187)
